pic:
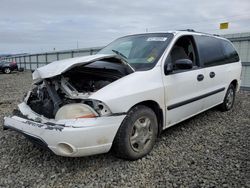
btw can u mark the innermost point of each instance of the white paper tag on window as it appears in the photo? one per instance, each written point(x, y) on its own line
point(160, 39)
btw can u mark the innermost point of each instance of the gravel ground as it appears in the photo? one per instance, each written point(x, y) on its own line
point(209, 150)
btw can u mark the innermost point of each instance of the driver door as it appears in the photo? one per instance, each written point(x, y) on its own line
point(183, 87)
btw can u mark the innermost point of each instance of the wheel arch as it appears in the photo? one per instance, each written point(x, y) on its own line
point(6, 66)
point(235, 84)
point(157, 110)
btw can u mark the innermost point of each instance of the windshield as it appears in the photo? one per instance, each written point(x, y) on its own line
point(141, 51)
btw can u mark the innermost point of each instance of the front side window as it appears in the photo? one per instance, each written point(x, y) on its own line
point(210, 51)
point(184, 48)
point(141, 51)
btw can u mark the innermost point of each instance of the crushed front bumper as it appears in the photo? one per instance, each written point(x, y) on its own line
point(81, 137)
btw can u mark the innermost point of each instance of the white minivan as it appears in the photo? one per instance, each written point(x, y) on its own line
point(123, 97)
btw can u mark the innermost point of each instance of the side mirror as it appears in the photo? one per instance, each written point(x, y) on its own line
point(184, 64)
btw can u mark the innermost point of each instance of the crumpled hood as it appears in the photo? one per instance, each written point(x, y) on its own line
point(58, 67)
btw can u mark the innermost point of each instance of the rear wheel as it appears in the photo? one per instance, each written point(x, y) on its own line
point(229, 99)
point(137, 134)
point(7, 70)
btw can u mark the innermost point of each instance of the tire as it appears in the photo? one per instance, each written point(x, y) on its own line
point(20, 69)
point(7, 70)
point(137, 134)
point(229, 99)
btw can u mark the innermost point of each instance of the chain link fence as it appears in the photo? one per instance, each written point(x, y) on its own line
point(33, 61)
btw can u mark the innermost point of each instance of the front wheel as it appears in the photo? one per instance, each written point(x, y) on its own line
point(7, 70)
point(137, 134)
point(229, 99)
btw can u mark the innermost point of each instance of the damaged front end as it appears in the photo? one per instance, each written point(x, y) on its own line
point(58, 113)
point(58, 98)
point(66, 96)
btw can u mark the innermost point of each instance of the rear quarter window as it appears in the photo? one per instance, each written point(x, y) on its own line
point(230, 52)
point(210, 51)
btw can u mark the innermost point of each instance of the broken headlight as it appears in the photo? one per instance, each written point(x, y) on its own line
point(91, 109)
point(74, 111)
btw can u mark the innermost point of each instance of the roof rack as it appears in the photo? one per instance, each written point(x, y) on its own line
point(192, 30)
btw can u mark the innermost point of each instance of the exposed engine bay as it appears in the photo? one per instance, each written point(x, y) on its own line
point(74, 87)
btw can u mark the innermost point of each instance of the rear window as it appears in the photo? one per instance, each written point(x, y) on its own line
point(210, 51)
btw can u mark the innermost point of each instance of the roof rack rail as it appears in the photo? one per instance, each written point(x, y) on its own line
point(191, 30)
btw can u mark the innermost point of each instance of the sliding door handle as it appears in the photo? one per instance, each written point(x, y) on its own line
point(212, 74)
point(200, 77)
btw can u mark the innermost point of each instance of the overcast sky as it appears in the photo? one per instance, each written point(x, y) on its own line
point(42, 25)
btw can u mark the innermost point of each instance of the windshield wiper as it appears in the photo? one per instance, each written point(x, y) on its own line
point(120, 54)
point(124, 58)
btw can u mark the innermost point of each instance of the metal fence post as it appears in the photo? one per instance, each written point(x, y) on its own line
point(46, 58)
point(24, 60)
point(30, 62)
point(37, 61)
point(20, 62)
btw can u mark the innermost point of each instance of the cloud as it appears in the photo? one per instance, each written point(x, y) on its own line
point(41, 25)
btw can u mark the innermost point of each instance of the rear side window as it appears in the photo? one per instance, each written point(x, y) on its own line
point(210, 50)
point(230, 52)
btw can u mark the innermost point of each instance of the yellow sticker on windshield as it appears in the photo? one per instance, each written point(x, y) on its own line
point(150, 59)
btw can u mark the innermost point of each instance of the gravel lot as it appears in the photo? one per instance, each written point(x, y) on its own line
point(209, 150)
